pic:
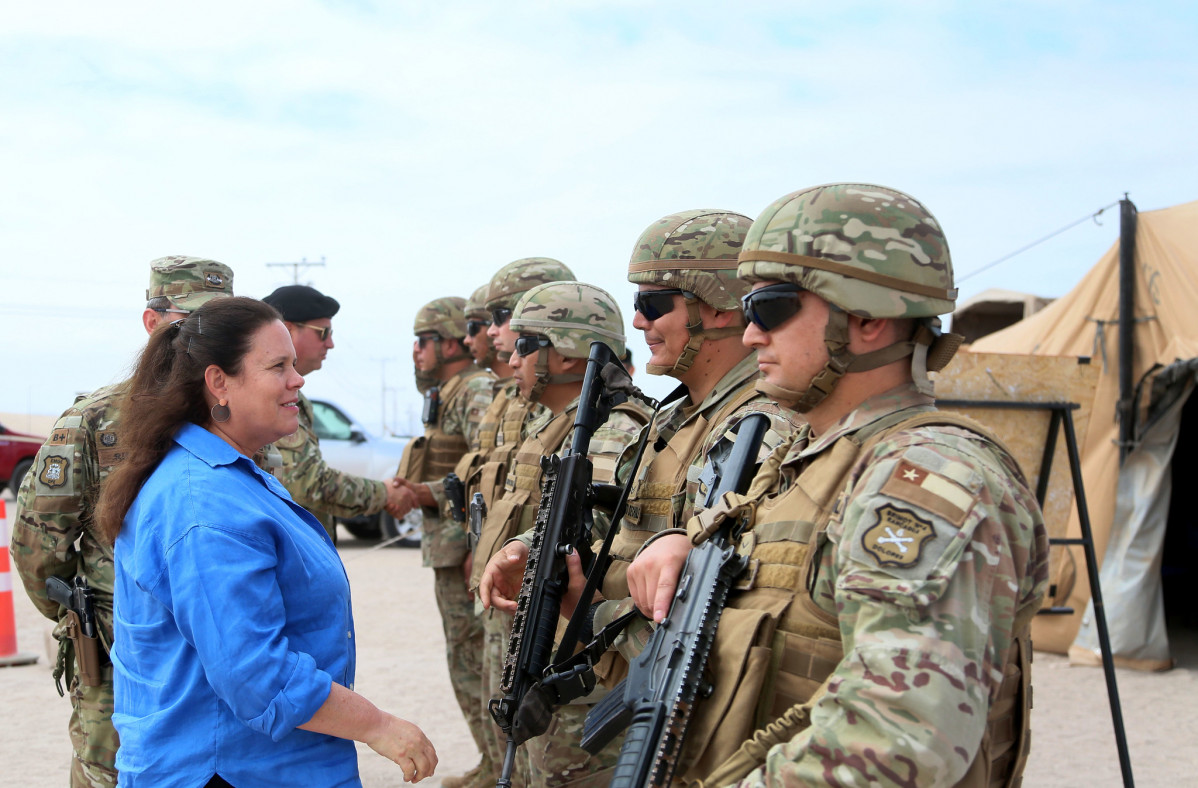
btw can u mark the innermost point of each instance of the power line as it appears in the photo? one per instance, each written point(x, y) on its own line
point(296, 266)
point(1053, 234)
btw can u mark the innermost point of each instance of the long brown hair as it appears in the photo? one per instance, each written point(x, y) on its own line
point(167, 390)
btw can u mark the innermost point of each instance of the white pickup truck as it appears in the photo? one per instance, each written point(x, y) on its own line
point(347, 446)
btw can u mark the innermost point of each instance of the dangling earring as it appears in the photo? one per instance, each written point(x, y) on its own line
point(220, 411)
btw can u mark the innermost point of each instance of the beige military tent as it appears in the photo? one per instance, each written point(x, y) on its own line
point(1133, 509)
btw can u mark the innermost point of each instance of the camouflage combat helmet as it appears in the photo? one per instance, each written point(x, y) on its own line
point(446, 318)
point(695, 251)
point(189, 282)
point(571, 315)
point(867, 250)
point(517, 278)
point(476, 309)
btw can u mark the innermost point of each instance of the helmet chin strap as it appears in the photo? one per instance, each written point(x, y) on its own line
point(544, 378)
point(443, 360)
point(694, 326)
point(929, 348)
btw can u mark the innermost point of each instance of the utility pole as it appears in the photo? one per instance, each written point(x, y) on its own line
point(295, 267)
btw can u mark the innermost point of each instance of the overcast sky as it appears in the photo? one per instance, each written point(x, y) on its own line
point(418, 147)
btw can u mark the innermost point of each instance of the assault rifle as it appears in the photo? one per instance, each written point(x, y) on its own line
point(563, 524)
point(655, 701)
point(80, 602)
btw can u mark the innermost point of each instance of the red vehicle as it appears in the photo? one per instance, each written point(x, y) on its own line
point(17, 451)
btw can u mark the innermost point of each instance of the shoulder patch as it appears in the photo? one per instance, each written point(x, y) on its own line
point(898, 538)
point(55, 472)
point(930, 491)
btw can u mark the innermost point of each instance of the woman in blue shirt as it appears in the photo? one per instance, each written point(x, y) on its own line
point(234, 637)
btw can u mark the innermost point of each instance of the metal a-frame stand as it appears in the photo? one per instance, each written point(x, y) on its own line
point(1062, 415)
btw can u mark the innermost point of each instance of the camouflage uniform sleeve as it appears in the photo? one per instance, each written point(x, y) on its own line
point(939, 551)
point(469, 408)
point(607, 444)
point(52, 512)
point(317, 486)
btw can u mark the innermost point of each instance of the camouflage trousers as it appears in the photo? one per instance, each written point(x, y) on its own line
point(92, 735)
point(463, 634)
point(497, 627)
point(557, 761)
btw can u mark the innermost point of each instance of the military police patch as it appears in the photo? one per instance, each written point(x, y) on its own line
point(898, 537)
point(54, 472)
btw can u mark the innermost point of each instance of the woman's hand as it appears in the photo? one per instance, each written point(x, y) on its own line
point(401, 741)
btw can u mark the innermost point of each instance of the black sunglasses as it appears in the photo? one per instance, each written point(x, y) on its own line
point(475, 326)
point(771, 306)
point(655, 303)
point(527, 344)
point(500, 315)
point(424, 339)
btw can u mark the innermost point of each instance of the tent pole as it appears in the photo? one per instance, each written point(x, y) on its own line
point(1104, 639)
point(1127, 324)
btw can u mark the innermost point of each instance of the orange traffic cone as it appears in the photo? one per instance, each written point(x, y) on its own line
point(8, 624)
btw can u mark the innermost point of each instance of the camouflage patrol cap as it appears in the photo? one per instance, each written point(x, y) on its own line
point(476, 304)
point(189, 282)
point(519, 276)
point(572, 315)
point(443, 316)
point(695, 251)
point(870, 250)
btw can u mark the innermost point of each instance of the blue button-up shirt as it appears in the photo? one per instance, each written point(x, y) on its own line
point(232, 620)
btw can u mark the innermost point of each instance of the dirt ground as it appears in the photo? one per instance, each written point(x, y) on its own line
point(401, 668)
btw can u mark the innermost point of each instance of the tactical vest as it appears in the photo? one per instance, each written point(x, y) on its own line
point(776, 646)
point(658, 499)
point(485, 469)
point(516, 511)
point(435, 453)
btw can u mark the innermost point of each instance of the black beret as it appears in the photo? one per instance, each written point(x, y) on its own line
point(297, 303)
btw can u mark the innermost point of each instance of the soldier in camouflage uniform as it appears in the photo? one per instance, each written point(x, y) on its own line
point(557, 322)
point(688, 306)
point(53, 532)
point(453, 411)
point(879, 635)
point(321, 489)
point(484, 469)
